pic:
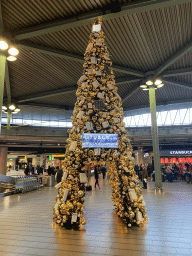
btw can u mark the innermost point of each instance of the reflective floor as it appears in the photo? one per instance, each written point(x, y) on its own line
point(26, 226)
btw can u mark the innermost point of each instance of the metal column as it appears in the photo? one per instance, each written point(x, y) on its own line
point(2, 77)
point(3, 160)
point(154, 132)
point(8, 119)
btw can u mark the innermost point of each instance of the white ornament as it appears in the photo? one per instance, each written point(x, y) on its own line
point(96, 28)
point(73, 146)
point(132, 194)
point(94, 60)
point(83, 178)
point(95, 84)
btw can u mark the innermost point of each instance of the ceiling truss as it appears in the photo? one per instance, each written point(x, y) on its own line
point(87, 19)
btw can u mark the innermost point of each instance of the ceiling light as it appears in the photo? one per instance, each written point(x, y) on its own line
point(158, 82)
point(14, 112)
point(149, 82)
point(12, 107)
point(160, 85)
point(11, 58)
point(17, 110)
point(143, 86)
point(4, 108)
point(3, 45)
point(13, 51)
point(145, 89)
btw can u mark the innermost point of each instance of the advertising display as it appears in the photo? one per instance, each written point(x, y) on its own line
point(98, 140)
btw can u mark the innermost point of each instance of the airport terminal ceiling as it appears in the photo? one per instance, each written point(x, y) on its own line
point(145, 38)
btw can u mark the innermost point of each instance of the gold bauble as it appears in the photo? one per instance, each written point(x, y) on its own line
point(85, 118)
point(70, 206)
point(94, 118)
point(132, 184)
point(78, 205)
point(80, 193)
point(83, 222)
point(131, 215)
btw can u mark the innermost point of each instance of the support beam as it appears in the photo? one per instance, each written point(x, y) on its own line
point(128, 71)
point(155, 139)
point(7, 82)
point(73, 57)
point(130, 93)
point(43, 94)
point(8, 119)
point(177, 72)
point(177, 83)
point(45, 105)
point(1, 19)
point(2, 65)
point(87, 18)
point(179, 54)
point(2, 77)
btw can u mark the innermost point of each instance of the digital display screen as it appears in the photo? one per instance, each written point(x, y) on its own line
point(98, 140)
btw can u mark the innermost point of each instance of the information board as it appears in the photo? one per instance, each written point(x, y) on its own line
point(98, 140)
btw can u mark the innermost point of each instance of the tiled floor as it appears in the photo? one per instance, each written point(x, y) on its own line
point(26, 226)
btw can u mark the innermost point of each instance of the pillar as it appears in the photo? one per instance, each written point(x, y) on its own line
point(34, 161)
point(8, 119)
point(41, 160)
point(154, 132)
point(141, 157)
point(3, 160)
point(2, 76)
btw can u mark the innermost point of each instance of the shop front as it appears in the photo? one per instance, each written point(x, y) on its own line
point(176, 156)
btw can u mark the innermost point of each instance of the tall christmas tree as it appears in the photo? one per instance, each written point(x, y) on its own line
point(98, 110)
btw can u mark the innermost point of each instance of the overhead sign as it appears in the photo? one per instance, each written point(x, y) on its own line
point(175, 152)
point(50, 157)
point(98, 140)
point(181, 152)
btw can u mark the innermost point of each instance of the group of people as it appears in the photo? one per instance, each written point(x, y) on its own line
point(180, 171)
point(31, 170)
point(144, 171)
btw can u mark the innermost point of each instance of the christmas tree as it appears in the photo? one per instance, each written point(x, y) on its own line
point(98, 110)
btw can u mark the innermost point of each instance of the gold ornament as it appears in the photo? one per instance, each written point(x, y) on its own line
point(80, 193)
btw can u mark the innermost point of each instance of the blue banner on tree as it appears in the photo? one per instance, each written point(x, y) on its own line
point(98, 140)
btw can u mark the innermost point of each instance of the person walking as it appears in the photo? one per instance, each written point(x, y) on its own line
point(26, 170)
point(49, 171)
point(96, 174)
point(59, 174)
point(103, 170)
point(144, 177)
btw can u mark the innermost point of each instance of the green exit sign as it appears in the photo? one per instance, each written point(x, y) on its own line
point(50, 157)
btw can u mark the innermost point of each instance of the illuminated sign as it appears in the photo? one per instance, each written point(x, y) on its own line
point(181, 152)
point(98, 140)
point(50, 157)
